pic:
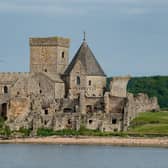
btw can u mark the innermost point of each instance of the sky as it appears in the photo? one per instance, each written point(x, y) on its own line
point(128, 37)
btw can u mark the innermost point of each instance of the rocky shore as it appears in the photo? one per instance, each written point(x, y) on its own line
point(118, 141)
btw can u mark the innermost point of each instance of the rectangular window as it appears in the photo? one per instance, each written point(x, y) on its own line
point(114, 121)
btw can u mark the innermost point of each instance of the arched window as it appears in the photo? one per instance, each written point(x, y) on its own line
point(62, 54)
point(78, 80)
point(5, 89)
point(90, 82)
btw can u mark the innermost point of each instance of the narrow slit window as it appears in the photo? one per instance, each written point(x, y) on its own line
point(46, 111)
point(63, 55)
point(78, 80)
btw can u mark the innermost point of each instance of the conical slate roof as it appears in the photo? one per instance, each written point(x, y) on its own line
point(88, 60)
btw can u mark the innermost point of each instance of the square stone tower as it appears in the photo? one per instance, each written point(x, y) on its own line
point(49, 54)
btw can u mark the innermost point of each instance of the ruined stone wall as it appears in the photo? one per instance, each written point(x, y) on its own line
point(49, 54)
point(95, 85)
point(94, 104)
point(104, 122)
point(28, 84)
point(118, 86)
point(18, 106)
point(24, 86)
point(140, 103)
point(8, 79)
point(116, 104)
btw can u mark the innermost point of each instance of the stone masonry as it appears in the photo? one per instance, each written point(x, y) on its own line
point(59, 95)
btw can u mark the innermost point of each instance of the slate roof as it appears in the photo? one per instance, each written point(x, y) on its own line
point(88, 60)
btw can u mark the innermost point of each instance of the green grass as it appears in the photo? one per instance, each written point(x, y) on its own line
point(150, 123)
point(82, 132)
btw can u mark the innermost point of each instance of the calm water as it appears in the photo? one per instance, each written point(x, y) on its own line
point(70, 156)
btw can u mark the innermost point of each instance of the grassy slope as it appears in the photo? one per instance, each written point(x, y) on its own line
point(150, 123)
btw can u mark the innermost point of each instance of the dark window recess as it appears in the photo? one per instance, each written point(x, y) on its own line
point(68, 110)
point(40, 91)
point(18, 93)
point(114, 120)
point(45, 70)
point(89, 108)
point(95, 108)
point(90, 121)
point(90, 82)
point(45, 122)
point(5, 89)
point(69, 121)
point(78, 80)
point(62, 54)
point(74, 109)
point(4, 111)
point(46, 111)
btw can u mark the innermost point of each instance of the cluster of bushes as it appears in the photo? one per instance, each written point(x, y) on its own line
point(4, 129)
point(153, 86)
point(6, 132)
point(81, 132)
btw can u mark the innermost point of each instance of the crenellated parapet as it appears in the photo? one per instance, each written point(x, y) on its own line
point(10, 77)
point(50, 41)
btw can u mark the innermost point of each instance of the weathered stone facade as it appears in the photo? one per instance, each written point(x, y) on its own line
point(59, 95)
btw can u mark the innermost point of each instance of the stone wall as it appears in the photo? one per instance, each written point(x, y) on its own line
point(139, 103)
point(118, 86)
point(95, 85)
point(92, 85)
point(8, 79)
point(49, 54)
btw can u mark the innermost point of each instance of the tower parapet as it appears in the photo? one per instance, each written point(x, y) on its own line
point(50, 41)
point(49, 54)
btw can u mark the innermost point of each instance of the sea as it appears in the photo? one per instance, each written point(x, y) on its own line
point(81, 156)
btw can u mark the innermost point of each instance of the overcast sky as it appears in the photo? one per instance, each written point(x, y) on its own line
point(126, 36)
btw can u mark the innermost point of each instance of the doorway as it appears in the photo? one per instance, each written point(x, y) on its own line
point(4, 111)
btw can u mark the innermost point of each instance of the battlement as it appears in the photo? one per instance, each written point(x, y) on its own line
point(50, 41)
point(14, 73)
point(6, 77)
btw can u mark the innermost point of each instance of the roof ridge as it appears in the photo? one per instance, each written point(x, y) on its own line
point(88, 60)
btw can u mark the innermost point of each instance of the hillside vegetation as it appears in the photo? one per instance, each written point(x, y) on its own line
point(150, 123)
point(153, 86)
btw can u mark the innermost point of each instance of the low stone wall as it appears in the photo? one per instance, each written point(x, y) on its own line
point(140, 103)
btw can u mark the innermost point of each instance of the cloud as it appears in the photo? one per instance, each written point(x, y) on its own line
point(136, 11)
point(80, 6)
point(41, 7)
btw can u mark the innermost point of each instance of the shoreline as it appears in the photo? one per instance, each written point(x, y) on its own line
point(83, 140)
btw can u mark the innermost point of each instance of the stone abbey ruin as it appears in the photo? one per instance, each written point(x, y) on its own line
point(58, 95)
